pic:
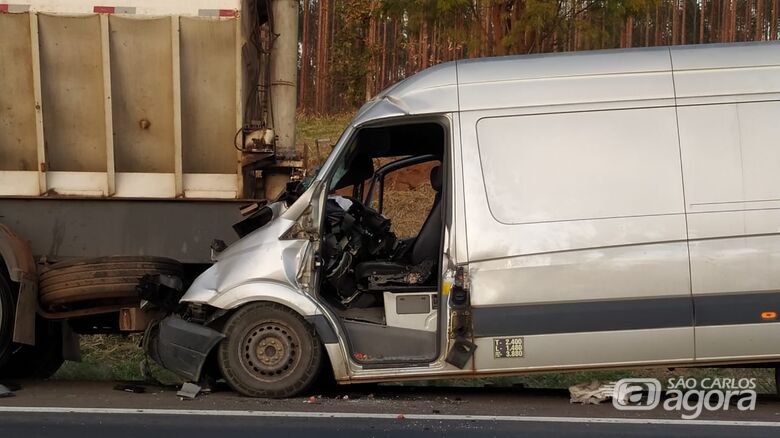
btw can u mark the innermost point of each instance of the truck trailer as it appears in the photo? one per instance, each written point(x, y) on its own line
point(132, 134)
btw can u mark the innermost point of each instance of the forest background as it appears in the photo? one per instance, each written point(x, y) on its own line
point(350, 50)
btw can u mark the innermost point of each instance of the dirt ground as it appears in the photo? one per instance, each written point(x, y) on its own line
point(410, 178)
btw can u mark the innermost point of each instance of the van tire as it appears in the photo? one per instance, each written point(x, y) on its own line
point(269, 351)
point(6, 317)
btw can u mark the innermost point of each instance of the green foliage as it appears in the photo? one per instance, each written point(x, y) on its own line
point(378, 42)
point(112, 357)
point(350, 62)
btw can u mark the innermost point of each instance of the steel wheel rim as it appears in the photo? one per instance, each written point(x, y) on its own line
point(270, 351)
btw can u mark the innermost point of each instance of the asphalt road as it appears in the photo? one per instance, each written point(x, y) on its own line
point(95, 409)
point(77, 425)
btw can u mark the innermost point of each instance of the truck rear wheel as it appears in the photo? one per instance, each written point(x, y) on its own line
point(270, 351)
point(6, 318)
point(93, 282)
point(20, 361)
point(41, 360)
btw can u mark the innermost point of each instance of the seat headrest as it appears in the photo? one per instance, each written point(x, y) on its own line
point(436, 178)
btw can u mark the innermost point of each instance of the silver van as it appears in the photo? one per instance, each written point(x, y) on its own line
point(590, 210)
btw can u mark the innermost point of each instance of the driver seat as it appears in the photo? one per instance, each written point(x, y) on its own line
point(417, 263)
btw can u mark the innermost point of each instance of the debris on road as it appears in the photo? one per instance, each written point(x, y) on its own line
point(134, 389)
point(312, 400)
point(5, 392)
point(591, 393)
point(455, 400)
point(189, 391)
point(13, 386)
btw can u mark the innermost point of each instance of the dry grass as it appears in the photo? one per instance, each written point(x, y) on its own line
point(112, 357)
point(315, 136)
point(310, 128)
point(407, 209)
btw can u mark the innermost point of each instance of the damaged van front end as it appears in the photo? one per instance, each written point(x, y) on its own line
point(271, 263)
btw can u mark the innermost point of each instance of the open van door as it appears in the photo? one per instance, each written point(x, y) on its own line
point(382, 282)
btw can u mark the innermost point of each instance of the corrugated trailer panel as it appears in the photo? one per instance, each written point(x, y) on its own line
point(140, 7)
point(73, 103)
point(131, 105)
point(211, 107)
point(143, 106)
point(76, 93)
point(209, 99)
point(142, 97)
point(18, 152)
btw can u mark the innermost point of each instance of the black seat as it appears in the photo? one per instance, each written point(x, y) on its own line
point(426, 246)
point(419, 261)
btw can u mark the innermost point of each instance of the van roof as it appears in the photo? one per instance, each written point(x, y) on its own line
point(436, 89)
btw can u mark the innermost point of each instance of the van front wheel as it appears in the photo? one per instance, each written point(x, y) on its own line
point(269, 351)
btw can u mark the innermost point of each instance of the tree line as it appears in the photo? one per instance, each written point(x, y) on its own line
point(352, 49)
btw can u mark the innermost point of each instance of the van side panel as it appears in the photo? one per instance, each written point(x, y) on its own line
point(729, 107)
point(577, 236)
point(540, 82)
point(586, 165)
point(726, 73)
point(731, 161)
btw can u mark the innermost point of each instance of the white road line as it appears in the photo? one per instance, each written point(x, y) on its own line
point(354, 415)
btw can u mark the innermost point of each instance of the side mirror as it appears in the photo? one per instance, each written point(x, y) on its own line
point(293, 190)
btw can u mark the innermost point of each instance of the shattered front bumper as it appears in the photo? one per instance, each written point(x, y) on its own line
point(180, 346)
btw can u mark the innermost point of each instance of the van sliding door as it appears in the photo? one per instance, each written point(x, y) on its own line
point(577, 240)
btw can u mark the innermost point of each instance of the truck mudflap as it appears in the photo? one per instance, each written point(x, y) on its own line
point(180, 346)
point(15, 252)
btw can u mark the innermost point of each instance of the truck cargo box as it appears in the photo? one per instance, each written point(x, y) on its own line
point(145, 99)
